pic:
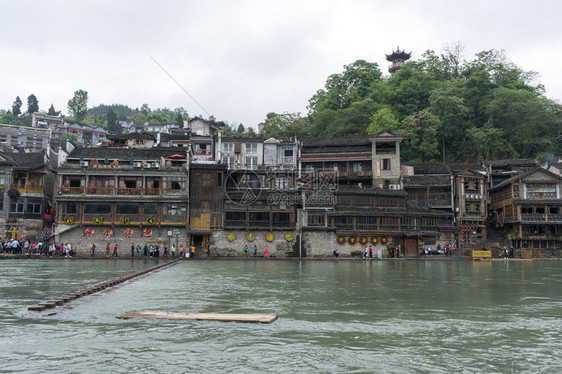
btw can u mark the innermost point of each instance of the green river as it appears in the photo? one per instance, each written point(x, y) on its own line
point(335, 316)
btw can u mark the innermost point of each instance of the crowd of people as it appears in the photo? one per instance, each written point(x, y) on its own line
point(30, 247)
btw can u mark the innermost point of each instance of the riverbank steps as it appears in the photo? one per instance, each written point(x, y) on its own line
point(46, 308)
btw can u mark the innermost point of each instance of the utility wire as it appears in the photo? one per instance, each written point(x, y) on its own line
point(174, 79)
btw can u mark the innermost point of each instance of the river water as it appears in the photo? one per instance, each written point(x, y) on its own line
point(334, 316)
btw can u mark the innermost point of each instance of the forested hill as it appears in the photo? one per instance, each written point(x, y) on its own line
point(486, 108)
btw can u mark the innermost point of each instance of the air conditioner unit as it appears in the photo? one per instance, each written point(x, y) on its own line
point(146, 165)
point(137, 164)
point(155, 165)
point(83, 163)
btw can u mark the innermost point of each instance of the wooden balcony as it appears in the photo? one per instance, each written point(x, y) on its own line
point(108, 191)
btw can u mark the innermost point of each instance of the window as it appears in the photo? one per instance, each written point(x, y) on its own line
point(344, 200)
point(235, 216)
point(97, 209)
point(228, 147)
point(2, 180)
point(17, 207)
point(251, 162)
point(228, 160)
point(73, 181)
point(174, 183)
point(385, 164)
point(281, 218)
point(309, 168)
point(34, 207)
point(316, 219)
point(251, 147)
point(362, 200)
point(357, 166)
point(127, 209)
point(202, 149)
point(70, 208)
point(541, 191)
point(259, 216)
point(19, 180)
point(288, 152)
point(173, 213)
point(515, 190)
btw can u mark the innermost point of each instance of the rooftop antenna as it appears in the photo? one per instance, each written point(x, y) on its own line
point(174, 79)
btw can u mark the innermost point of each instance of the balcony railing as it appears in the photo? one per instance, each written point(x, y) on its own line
point(121, 191)
point(533, 217)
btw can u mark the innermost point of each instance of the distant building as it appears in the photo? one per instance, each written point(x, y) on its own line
point(397, 58)
point(26, 184)
point(45, 121)
point(24, 139)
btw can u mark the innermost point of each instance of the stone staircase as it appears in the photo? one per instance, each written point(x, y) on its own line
point(494, 241)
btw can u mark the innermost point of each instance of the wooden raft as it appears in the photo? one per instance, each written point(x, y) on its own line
point(250, 318)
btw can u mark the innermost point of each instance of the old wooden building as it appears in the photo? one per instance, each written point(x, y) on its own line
point(529, 207)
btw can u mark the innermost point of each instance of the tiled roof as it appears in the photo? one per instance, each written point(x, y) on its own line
point(124, 154)
point(426, 180)
point(511, 162)
point(28, 161)
point(523, 175)
point(348, 141)
point(429, 167)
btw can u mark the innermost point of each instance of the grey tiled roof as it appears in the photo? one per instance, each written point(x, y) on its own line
point(124, 154)
point(429, 167)
point(28, 161)
point(426, 180)
point(348, 141)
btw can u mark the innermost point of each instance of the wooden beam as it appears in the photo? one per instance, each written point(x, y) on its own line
point(249, 318)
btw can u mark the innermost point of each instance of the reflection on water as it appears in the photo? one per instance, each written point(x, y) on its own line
point(334, 316)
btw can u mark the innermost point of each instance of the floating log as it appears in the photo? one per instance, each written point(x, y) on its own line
point(250, 318)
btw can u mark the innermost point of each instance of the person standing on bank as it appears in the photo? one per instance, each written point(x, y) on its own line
point(371, 251)
point(133, 250)
point(366, 252)
point(93, 249)
point(107, 250)
point(255, 251)
point(246, 250)
point(114, 251)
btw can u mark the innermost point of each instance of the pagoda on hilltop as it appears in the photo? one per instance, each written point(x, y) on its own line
point(397, 58)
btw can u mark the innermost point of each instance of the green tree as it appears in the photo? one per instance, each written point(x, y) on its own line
point(240, 129)
point(32, 104)
point(78, 105)
point(145, 109)
point(139, 119)
point(112, 123)
point(523, 119)
point(69, 136)
point(450, 109)
point(285, 125)
point(16, 107)
point(353, 84)
point(488, 143)
point(52, 111)
point(381, 120)
point(420, 130)
point(7, 117)
point(179, 120)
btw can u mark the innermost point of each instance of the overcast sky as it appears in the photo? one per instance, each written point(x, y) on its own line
point(243, 59)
